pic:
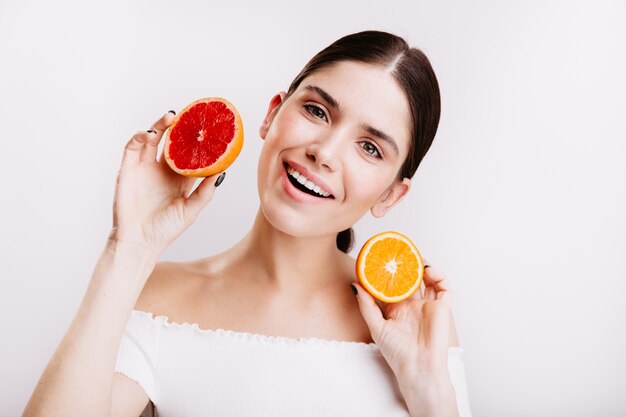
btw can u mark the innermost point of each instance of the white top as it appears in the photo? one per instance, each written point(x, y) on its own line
point(188, 371)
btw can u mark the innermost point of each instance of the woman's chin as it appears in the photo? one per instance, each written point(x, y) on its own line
point(293, 224)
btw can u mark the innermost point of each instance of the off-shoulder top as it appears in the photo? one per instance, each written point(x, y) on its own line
point(188, 371)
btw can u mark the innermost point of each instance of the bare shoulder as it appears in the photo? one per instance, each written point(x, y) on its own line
point(170, 285)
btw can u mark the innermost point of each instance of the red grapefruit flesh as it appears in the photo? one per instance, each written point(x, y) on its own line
point(205, 138)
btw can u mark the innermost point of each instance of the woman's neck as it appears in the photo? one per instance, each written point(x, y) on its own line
point(293, 265)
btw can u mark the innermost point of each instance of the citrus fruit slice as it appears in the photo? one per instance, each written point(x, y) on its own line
point(390, 267)
point(204, 138)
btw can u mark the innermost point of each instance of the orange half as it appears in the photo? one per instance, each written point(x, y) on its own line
point(390, 267)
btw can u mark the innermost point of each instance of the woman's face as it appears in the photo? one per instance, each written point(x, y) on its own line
point(344, 133)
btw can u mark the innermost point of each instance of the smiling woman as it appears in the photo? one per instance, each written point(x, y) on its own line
point(271, 327)
point(412, 73)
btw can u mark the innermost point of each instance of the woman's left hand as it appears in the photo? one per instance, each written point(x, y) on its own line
point(413, 335)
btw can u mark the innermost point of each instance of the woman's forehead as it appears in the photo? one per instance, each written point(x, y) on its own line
point(367, 93)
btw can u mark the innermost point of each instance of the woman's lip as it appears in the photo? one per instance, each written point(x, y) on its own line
point(296, 194)
point(311, 176)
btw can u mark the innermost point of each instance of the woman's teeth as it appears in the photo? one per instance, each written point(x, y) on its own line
point(306, 182)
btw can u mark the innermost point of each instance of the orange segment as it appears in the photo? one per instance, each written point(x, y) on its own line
point(205, 138)
point(390, 267)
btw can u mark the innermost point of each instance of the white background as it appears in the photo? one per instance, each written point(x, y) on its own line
point(521, 201)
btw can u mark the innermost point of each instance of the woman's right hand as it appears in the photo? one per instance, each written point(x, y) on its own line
point(152, 204)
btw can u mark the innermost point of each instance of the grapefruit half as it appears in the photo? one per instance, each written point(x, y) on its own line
point(205, 138)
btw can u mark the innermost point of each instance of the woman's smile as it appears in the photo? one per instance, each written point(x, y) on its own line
point(301, 188)
point(306, 182)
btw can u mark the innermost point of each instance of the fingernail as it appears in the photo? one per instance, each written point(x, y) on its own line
point(220, 179)
point(426, 266)
point(172, 111)
point(151, 131)
point(354, 290)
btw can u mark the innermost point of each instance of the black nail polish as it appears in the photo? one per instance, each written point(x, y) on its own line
point(220, 179)
point(426, 266)
point(354, 290)
point(172, 111)
point(151, 131)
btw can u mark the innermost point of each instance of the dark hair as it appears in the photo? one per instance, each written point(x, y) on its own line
point(413, 72)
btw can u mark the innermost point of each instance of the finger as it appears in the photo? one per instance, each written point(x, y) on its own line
point(427, 292)
point(370, 311)
point(155, 134)
point(437, 285)
point(423, 284)
point(133, 148)
point(161, 157)
point(203, 194)
point(430, 293)
point(433, 277)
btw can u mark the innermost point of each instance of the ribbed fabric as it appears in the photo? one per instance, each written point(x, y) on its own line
point(187, 371)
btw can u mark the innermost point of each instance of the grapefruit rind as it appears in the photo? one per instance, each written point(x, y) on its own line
point(225, 160)
point(361, 266)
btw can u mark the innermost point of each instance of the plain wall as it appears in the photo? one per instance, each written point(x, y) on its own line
point(521, 200)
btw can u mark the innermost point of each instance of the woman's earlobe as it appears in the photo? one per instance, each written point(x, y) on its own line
point(391, 197)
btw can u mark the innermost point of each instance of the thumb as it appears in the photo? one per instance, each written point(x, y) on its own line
point(203, 193)
point(370, 311)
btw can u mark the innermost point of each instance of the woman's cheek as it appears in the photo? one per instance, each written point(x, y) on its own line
point(365, 186)
point(290, 130)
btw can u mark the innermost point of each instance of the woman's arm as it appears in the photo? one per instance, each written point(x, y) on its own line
point(431, 395)
point(75, 380)
point(428, 394)
point(152, 207)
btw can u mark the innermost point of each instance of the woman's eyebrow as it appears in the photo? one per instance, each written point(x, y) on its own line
point(382, 136)
point(327, 97)
point(369, 129)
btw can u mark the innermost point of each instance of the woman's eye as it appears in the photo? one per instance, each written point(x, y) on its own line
point(315, 111)
point(371, 149)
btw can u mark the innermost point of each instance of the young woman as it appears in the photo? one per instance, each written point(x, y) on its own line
point(276, 329)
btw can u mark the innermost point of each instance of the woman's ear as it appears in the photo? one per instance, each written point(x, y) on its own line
point(275, 104)
point(392, 197)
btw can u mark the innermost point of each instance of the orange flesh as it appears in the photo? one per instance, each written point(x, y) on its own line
point(381, 258)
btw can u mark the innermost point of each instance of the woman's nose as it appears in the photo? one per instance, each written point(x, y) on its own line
point(326, 152)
